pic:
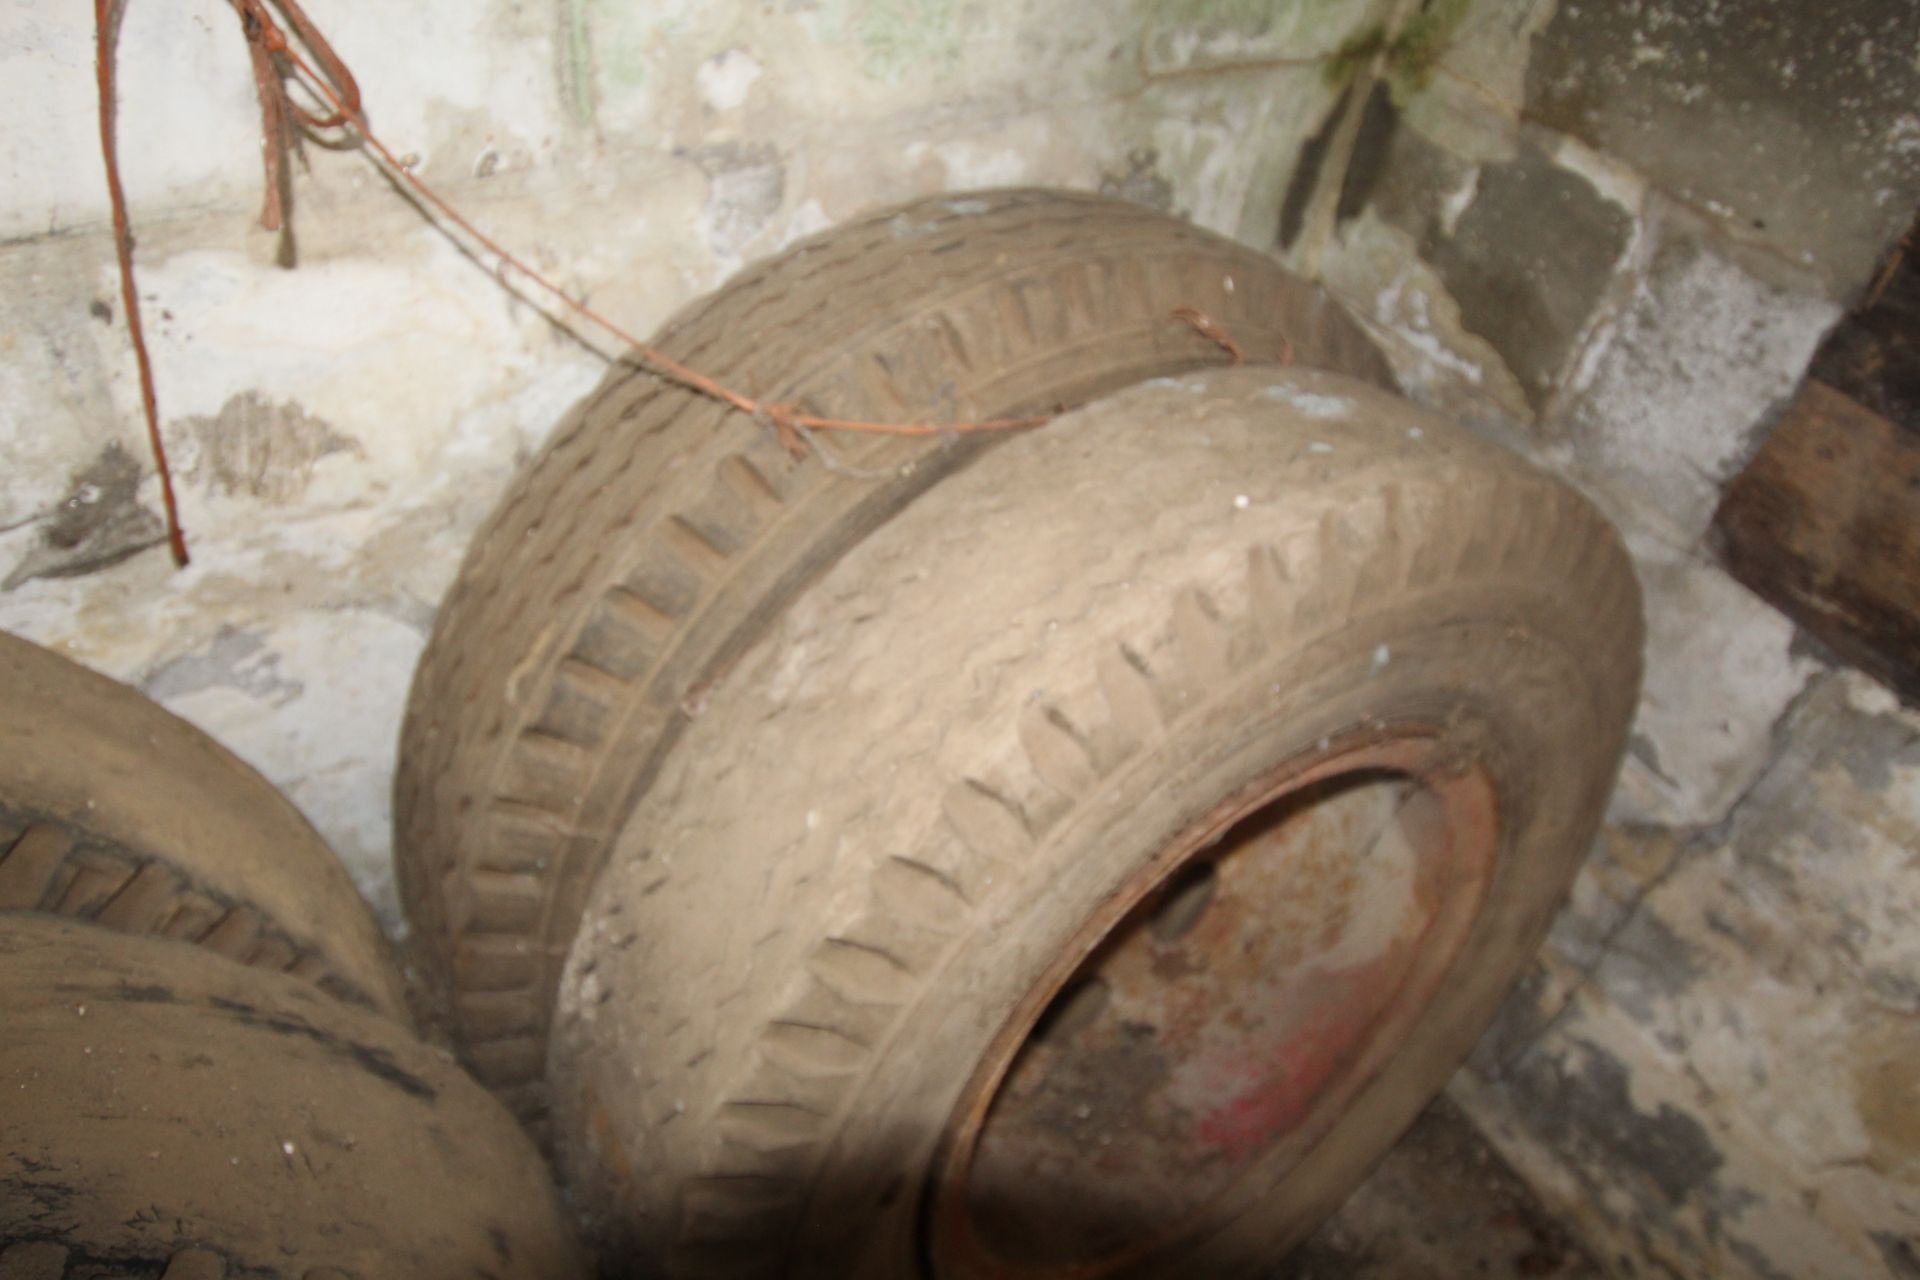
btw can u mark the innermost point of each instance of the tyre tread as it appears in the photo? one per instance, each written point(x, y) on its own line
point(1568, 535)
point(541, 594)
point(51, 866)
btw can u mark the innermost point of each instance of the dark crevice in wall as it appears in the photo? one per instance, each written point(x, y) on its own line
point(1306, 173)
point(1379, 119)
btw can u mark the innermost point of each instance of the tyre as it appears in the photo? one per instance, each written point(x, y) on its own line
point(115, 811)
point(658, 533)
point(1096, 869)
point(165, 1112)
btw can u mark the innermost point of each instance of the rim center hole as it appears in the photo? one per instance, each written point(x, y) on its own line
point(1188, 895)
point(1077, 1007)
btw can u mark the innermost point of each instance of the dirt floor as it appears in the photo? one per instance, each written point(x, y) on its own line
point(1441, 1206)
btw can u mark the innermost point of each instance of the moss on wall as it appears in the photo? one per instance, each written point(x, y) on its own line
point(1409, 57)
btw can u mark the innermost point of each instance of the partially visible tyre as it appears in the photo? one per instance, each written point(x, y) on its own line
point(1096, 870)
point(659, 533)
point(166, 1112)
point(115, 811)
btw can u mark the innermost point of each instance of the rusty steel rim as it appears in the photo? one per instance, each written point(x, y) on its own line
point(1217, 1014)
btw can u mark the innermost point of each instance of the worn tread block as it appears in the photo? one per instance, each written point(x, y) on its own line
point(998, 304)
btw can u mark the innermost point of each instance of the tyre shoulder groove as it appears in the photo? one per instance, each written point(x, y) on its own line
point(54, 867)
point(1567, 538)
point(525, 553)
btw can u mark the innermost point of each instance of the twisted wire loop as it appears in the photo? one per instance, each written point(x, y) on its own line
point(290, 50)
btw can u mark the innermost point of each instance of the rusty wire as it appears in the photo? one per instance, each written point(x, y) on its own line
point(282, 120)
point(1207, 327)
point(106, 18)
point(281, 123)
point(783, 417)
point(277, 61)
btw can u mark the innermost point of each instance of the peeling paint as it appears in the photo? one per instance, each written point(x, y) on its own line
point(1582, 1101)
point(99, 523)
point(746, 184)
point(260, 448)
point(233, 659)
point(1140, 181)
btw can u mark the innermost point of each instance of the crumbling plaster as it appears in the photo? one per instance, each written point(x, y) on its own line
point(339, 428)
point(1711, 1070)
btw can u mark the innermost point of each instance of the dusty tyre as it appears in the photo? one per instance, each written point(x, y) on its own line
point(115, 811)
point(1098, 867)
point(657, 534)
point(163, 1111)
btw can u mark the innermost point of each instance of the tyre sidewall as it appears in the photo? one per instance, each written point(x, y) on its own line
point(1494, 688)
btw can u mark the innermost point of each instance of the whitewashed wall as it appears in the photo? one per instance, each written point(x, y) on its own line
point(340, 428)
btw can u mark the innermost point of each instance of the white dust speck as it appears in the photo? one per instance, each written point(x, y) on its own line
point(725, 79)
point(1903, 136)
point(1309, 403)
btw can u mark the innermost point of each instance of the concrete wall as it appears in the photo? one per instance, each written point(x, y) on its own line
point(1611, 234)
point(1614, 234)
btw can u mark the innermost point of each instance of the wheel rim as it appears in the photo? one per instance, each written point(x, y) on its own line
point(1218, 1013)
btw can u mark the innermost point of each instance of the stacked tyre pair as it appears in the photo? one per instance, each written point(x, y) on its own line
point(208, 1069)
point(1073, 853)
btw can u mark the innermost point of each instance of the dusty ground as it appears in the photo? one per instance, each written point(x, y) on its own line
point(1441, 1206)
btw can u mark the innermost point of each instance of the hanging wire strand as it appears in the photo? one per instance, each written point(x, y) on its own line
point(783, 417)
point(106, 17)
point(306, 58)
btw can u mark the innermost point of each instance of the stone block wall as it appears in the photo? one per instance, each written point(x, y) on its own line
point(1613, 235)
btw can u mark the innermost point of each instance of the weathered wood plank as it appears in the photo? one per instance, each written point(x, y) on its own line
point(1825, 525)
point(1874, 354)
